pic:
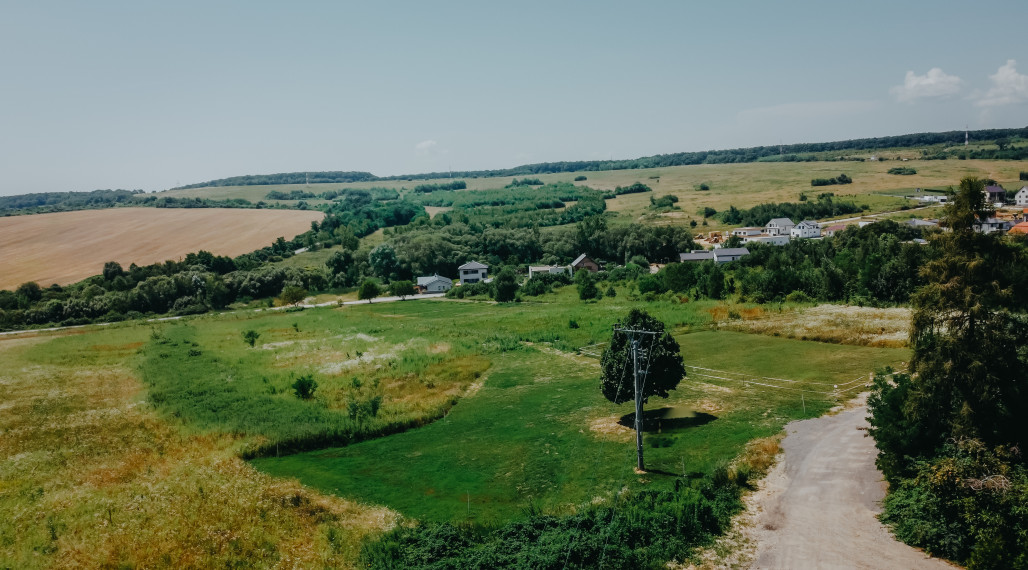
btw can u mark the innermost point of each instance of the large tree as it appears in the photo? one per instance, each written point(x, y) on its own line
point(969, 369)
point(659, 353)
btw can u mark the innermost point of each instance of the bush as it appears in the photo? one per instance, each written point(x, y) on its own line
point(250, 336)
point(798, 297)
point(902, 171)
point(305, 386)
point(580, 178)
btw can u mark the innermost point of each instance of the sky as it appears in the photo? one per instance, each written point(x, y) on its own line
point(151, 95)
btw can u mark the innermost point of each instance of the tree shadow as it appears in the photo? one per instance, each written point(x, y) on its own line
point(668, 418)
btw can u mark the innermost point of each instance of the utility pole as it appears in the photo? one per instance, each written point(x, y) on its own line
point(639, 377)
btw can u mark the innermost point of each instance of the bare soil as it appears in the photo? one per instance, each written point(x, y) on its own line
point(67, 247)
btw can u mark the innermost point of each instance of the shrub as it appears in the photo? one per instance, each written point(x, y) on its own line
point(305, 386)
point(902, 171)
point(580, 178)
point(572, 324)
point(251, 336)
point(798, 297)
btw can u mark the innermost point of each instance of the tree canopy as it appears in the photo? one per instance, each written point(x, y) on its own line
point(659, 353)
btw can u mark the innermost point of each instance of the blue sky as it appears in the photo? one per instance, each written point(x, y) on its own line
point(155, 94)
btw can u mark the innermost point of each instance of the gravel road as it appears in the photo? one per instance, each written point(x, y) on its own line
point(817, 507)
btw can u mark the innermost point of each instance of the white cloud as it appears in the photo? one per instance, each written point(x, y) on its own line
point(935, 83)
point(1008, 87)
point(426, 147)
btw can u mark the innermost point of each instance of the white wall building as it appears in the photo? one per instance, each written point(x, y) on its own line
point(768, 239)
point(1021, 198)
point(806, 229)
point(779, 227)
point(435, 284)
point(473, 272)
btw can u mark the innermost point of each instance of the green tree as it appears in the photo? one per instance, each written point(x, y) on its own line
point(505, 285)
point(383, 260)
point(586, 284)
point(292, 295)
point(969, 369)
point(660, 354)
point(401, 289)
point(369, 289)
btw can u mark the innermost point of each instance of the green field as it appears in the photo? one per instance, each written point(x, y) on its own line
point(519, 419)
point(742, 185)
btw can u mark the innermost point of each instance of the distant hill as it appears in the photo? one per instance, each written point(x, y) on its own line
point(792, 152)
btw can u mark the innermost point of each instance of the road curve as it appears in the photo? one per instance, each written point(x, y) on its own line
point(817, 507)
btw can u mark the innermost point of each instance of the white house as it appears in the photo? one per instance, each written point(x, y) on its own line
point(473, 272)
point(435, 284)
point(768, 239)
point(990, 225)
point(534, 270)
point(779, 227)
point(747, 232)
point(1021, 198)
point(806, 229)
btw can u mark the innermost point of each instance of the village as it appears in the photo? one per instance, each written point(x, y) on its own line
point(725, 246)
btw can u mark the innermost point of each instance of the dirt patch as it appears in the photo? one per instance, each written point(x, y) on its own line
point(609, 429)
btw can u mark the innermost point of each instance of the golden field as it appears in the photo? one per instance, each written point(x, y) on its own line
point(67, 247)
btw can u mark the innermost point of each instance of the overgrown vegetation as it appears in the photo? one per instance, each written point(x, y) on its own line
point(902, 171)
point(840, 179)
point(950, 434)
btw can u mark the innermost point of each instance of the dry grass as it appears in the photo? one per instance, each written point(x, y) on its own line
point(69, 246)
point(90, 477)
point(840, 324)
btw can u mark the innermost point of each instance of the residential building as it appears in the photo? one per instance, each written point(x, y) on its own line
point(746, 232)
point(434, 284)
point(1021, 198)
point(991, 225)
point(1021, 228)
point(534, 270)
point(832, 230)
point(768, 239)
point(806, 229)
point(779, 227)
point(924, 224)
point(696, 255)
point(584, 262)
point(995, 194)
point(473, 272)
point(726, 254)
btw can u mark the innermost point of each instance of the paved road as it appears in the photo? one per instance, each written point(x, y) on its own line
point(818, 505)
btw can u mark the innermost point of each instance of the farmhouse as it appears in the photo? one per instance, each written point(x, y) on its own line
point(584, 262)
point(1021, 198)
point(434, 284)
point(534, 270)
point(806, 229)
point(473, 272)
point(747, 232)
point(779, 227)
point(995, 194)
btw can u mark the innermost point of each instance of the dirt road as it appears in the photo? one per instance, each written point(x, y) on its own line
point(817, 507)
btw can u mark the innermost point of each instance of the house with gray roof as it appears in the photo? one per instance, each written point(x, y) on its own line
point(696, 255)
point(806, 229)
point(726, 254)
point(434, 284)
point(584, 262)
point(473, 272)
point(779, 227)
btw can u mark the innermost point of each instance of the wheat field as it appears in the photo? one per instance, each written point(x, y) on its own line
point(67, 247)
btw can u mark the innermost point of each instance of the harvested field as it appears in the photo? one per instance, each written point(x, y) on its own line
point(69, 246)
